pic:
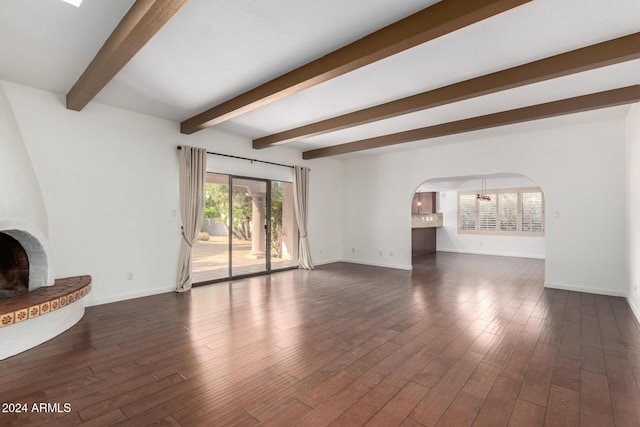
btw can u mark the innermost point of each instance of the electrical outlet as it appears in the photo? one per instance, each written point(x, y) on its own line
point(380, 252)
point(353, 250)
point(391, 253)
point(130, 276)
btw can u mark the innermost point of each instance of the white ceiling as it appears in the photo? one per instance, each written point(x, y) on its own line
point(213, 50)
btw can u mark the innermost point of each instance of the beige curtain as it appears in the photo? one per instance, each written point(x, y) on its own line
point(193, 163)
point(301, 203)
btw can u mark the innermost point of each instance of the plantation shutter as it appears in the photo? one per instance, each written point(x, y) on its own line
point(532, 214)
point(511, 212)
point(467, 212)
point(508, 211)
point(488, 215)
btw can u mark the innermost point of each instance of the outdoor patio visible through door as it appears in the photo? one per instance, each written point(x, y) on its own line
point(248, 230)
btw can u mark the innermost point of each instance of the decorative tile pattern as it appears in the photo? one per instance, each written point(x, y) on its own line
point(21, 315)
point(45, 307)
point(44, 300)
point(6, 319)
point(34, 311)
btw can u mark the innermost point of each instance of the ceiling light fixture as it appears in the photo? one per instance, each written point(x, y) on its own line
point(76, 3)
point(482, 196)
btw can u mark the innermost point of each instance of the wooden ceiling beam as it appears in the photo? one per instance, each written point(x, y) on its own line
point(611, 52)
point(435, 21)
point(611, 98)
point(137, 27)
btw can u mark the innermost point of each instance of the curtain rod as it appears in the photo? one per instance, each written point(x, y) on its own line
point(245, 158)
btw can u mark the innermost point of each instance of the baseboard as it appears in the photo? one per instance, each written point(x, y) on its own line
point(634, 309)
point(123, 297)
point(597, 291)
point(462, 251)
point(379, 264)
point(327, 261)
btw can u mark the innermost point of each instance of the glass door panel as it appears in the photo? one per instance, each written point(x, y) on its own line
point(249, 250)
point(250, 229)
point(211, 250)
point(283, 227)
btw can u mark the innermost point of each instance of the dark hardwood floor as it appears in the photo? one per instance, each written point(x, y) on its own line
point(461, 340)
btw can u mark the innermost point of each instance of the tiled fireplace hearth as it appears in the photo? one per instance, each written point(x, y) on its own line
point(44, 300)
point(31, 319)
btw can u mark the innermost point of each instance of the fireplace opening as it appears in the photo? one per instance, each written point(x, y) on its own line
point(14, 268)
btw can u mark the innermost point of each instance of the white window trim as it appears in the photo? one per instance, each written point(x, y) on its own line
point(497, 192)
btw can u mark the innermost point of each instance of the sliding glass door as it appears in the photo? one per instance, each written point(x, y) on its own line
point(249, 249)
point(249, 228)
point(211, 250)
point(283, 227)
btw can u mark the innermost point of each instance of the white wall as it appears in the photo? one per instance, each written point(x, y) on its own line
point(22, 210)
point(449, 240)
point(633, 218)
point(109, 180)
point(570, 163)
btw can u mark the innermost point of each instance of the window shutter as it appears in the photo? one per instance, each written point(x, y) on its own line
point(467, 212)
point(511, 212)
point(488, 214)
point(532, 214)
point(508, 206)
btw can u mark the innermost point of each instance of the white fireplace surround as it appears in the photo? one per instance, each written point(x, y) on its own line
point(23, 216)
point(22, 211)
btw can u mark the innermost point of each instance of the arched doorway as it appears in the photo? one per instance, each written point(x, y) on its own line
point(509, 221)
